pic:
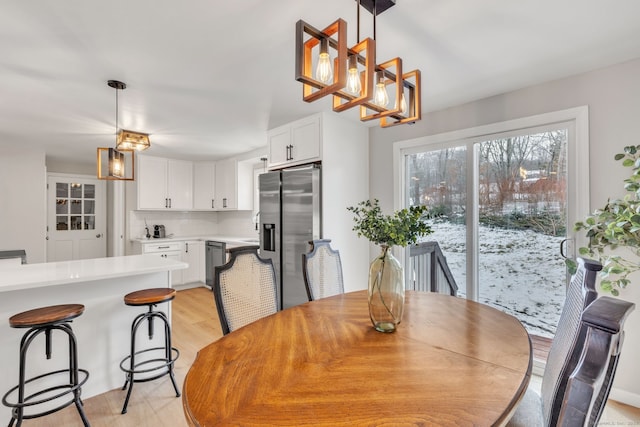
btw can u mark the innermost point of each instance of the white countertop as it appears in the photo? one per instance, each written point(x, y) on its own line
point(236, 240)
point(58, 273)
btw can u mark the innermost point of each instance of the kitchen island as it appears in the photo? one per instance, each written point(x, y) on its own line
point(103, 331)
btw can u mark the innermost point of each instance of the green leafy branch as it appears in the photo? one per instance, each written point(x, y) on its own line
point(617, 225)
point(402, 228)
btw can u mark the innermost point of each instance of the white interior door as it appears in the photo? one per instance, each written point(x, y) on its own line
point(76, 218)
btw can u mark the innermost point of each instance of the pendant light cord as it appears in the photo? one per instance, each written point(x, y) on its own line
point(358, 20)
point(375, 12)
point(116, 115)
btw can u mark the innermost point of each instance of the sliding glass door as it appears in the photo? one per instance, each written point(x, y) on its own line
point(505, 202)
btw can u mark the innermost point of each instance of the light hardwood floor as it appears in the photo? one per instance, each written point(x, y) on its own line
point(195, 324)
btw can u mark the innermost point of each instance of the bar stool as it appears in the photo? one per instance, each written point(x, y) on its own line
point(45, 320)
point(164, 363)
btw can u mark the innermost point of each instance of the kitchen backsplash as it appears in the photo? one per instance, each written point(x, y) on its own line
point(231, 223)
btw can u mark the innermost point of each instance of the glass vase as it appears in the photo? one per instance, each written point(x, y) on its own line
point(386, 291)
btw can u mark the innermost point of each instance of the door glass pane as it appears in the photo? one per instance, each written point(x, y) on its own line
point(61, 223)
point(522, 214)
point(76, 206)
point(62, 189)
point(89, 223)
point(62, 207)
point(89, 206)
point(76, 191)
point(89, 191)
point(76, 223)
point(437, 179)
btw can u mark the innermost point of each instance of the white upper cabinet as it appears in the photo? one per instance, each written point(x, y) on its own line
point(234, 185)
point(295, 143)
point(226, 184)
point(164, 183)
point(204, 190)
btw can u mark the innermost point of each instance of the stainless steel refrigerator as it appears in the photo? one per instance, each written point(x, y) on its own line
point(289, 219)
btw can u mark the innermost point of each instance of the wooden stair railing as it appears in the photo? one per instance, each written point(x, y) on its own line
point(428, 270)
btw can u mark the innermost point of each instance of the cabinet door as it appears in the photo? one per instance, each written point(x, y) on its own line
point(279, 140)
point(193, 255)
point(180, 184)
point(226, 184)
point(152, 182)
point(204, 185)
point(305, 140)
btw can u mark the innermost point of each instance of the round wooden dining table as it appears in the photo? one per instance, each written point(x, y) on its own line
point(450, 362)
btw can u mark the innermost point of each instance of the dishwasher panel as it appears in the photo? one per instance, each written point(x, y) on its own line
point(216, 254)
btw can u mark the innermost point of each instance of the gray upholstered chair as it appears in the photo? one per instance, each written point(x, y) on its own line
point(564, 354)
point(322, 270)
point(244, 289)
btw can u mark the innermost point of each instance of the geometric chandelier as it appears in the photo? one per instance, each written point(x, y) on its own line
point(119, 163)
point(353, 77)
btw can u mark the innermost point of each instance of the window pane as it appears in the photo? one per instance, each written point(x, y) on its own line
point(89, 223)
point(522, 213)
point(89, 206)
point(437, 179)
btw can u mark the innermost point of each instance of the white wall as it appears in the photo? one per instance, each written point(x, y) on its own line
point(613, 97)
point(23, 181)
point(344, 183)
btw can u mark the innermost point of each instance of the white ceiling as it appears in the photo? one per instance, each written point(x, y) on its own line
point(207, 78)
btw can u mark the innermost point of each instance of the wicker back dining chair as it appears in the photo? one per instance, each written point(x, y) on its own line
point(244, 288)
point(322, 270)
point(563, 357)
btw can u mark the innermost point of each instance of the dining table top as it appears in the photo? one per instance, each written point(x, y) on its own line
point(451, 361)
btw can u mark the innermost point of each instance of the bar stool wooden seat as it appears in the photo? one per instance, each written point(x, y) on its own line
point(46, 320)
point(149, 368)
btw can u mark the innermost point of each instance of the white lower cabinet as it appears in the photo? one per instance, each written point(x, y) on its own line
point(189, 251)
point(171, 250)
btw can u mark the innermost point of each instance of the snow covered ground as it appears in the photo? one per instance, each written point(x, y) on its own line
point(521, 272)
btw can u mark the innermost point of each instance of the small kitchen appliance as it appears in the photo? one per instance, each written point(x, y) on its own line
point(158, 231)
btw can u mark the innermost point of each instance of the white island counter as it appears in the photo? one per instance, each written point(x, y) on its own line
point(103, 330)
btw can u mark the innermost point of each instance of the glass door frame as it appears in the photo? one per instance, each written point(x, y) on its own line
point(576, 120)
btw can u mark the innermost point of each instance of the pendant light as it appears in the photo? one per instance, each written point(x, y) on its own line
point(356, 79)
point(119, 163)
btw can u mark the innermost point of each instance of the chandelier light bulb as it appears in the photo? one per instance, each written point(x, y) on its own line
point(403, 105)
point(354, 86)
point(380, 96)
point(324, 70)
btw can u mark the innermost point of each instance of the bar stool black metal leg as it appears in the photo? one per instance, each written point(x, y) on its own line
point(166, 361)
point(74, 383)
point(167, 345)
point(73, 373)
point(129, 377)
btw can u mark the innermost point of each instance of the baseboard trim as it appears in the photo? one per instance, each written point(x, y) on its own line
point(625, 397)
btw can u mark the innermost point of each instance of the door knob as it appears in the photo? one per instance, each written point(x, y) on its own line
point(98, 235)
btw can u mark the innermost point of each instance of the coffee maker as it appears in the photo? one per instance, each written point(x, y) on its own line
point(158, 231)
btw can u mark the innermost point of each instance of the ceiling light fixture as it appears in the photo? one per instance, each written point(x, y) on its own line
point(353, 78)
point(119, 163)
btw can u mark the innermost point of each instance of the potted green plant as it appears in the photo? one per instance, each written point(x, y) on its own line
point(386, 276)
point(616, 227)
